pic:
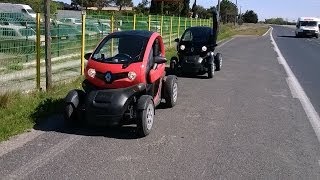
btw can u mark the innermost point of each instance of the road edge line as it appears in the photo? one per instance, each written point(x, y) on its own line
point(267, 31)
point(297, 91)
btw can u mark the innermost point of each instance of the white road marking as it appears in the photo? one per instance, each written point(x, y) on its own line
point(298, 92)
point(267, 31)
point(18, 141)
point(42, 159)
point(224, 43)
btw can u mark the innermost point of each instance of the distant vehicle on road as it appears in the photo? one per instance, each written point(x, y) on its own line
point(18, 8)
point(308, 26)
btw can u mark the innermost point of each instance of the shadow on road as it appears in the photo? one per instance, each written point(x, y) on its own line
point(56, 124)
point(45, 122)
point(191, 76)
point(288, 37)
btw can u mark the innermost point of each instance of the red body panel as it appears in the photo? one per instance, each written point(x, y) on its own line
point(114, 68)
point(138, 67)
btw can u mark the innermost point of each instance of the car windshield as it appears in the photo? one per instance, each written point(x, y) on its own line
point(27, 32)
point(308, 23)
point(197, 35)
point(30, 11)
point(120, 49)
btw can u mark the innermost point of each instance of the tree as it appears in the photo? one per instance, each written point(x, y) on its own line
point(203, 12)
point(185, 9)
point(250, 17)
point(123, 3)
point(142, 7)
point(84, 3)
point(169, 7)
point(155, 7)
point(228, 11)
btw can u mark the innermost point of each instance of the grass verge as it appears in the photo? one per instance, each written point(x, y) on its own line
point(20, 112)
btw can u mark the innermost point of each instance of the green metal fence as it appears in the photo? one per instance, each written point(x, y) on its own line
point(18, 42)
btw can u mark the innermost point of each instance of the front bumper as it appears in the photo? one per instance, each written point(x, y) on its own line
point(308, 32)
point(107, 107)
point(192, 64)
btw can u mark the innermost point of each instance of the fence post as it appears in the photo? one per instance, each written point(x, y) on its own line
point(185, 23)
point(200, 22)
point(170, 31)
point(179, 27)
point(191, 22)
point(112, 29)
point(134, 22)
point(196, 21)
point(161, 25)
point(83, 37)
point(38, 51)
point(149, 22)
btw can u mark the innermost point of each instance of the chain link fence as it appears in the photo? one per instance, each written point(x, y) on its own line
point(19, 45)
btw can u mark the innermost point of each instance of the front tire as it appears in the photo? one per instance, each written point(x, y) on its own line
point(145, 118)
point(170, 89)
point(211, 70)
point(218, 61)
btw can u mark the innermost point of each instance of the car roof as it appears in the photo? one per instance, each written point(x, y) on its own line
point(143, 33)
point(198, 28)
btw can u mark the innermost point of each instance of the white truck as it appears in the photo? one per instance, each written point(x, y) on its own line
point(308, 26)
point(17, 8)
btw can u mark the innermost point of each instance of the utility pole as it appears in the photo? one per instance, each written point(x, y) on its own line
point(47, 45)
point(236, 13)
point(219, 9)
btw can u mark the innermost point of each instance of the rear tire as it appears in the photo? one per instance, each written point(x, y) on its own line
point(70, 115)
point(317, 36)
point(145, 118)
point(218, 61)
point(71, 108)
point(170, 91)
point(173, 63)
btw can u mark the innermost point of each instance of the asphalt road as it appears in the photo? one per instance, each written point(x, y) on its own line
point(242, 124)
point(303, 57)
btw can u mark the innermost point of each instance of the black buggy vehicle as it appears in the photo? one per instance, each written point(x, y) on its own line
point(196, 51)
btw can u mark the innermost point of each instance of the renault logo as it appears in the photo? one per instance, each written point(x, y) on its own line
point(108, 77)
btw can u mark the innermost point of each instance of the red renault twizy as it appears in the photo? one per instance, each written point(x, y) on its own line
point(125, 80)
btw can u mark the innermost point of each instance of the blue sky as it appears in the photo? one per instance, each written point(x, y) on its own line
point(291, 9)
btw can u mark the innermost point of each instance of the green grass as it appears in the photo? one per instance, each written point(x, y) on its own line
point(20, 112)
point(16, 67)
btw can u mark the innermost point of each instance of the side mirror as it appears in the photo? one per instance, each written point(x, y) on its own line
point(160, 60)
point(87, 56)
point(176, 40)
point(319, 25)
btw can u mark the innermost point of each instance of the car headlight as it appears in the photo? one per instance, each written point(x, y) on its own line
point(91, 73)
point(204, 48)
point(182, 47)
point(132, 75)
